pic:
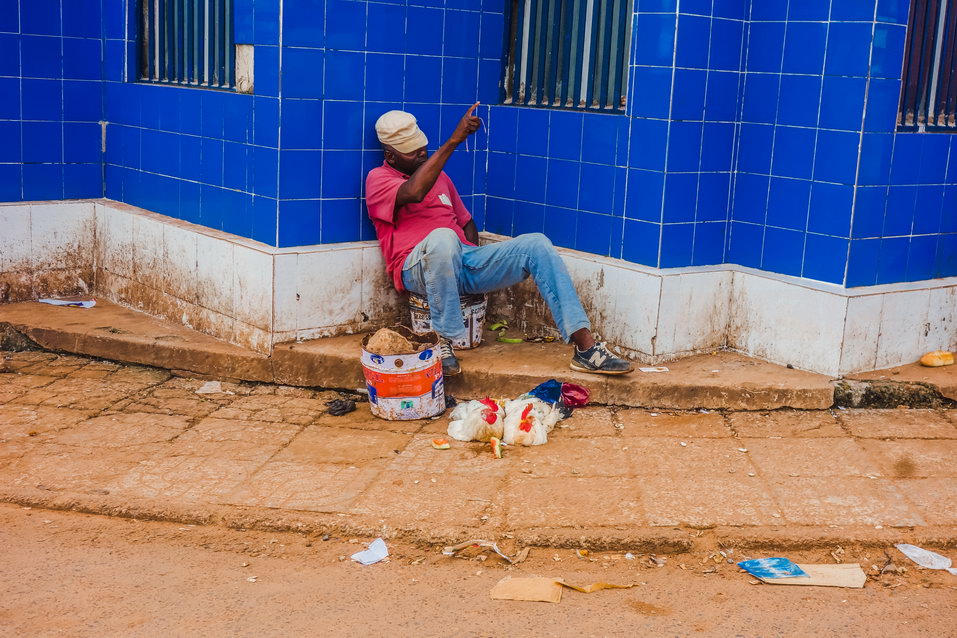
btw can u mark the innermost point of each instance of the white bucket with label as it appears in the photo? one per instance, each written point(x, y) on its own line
point(405, 387)
point(473, 311)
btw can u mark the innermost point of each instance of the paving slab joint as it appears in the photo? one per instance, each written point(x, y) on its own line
point(12, 340)
point(887, 394)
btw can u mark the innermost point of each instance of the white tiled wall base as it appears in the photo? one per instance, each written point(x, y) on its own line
point(256, 295)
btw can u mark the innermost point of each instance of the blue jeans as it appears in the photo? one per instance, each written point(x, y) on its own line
point(442, 268)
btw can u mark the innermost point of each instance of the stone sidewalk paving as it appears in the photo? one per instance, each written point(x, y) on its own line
point(98, 436)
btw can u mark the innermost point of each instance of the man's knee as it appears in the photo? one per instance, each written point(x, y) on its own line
point(536, 242)
point(442, 242)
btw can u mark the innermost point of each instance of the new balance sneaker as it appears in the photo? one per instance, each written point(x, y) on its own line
point(599, 360)
point(450, 364)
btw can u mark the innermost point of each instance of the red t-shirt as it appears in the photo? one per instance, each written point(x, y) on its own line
point(401, 231)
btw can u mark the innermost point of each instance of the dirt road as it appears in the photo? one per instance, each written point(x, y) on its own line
point(69, 574)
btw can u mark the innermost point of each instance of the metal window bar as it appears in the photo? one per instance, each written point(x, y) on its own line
point(567, 54)
point(929, 86)
point(187, 42)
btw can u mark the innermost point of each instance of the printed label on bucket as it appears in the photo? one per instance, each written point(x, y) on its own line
point(407, 384)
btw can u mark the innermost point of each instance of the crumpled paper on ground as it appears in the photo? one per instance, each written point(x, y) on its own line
point(452, 550)
point(376, 552)
point(926, 558)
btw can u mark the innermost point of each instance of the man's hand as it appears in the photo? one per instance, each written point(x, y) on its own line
point(467, 125)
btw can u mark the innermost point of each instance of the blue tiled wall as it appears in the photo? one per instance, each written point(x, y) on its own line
point(50, 100)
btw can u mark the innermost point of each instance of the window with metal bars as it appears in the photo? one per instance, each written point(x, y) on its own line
point(187, 42)
point(568, 54)
point(929, 86)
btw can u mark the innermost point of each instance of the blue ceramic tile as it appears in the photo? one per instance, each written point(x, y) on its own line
point(10, 54)
point(644, 195)
point(788, 203)
point(594, 233)
point(693, 38)
point(384, 24)
point(887, 56)
point(562, 183)
point(600, 137)
point(461, 33)
point(617, 236)
point(459, 80)
point(114, 21)
point(492, 32)
point(341, 173)
point(81, 142)
point(300, 173)
point(948, 220)
point(825, 258)
point(713, 197)
point(726, 39)
point(266, 121)
point(696, 7)
point(677, 243)
point(113, 67)
point(384, 77)
point(842, 103)
point(927, 210)
point(905, 165)
point(783, 251)
point(892, 262)
point(734, 9)
point(597, 188)
point(342, 73)
point(299, 223)
point(42, 99)
point(933, 158)
point(869, 206)
point(425, 31)
point(800, 100)
point(921, 258)
point(266, 71)
point(848, 49)
point(42, 142)
point(528, 217)
point(340, 220)
point(761, 97)
point(750, 198)
point(81, 59)
point(40, 57)
point(561, 226)
point(684, 146)
point(11, 180)
point(952, 165)
point(688, 100)
point(640, 242)
point(40, 17)
point(423, 78)
point(745, 244)
point(9, 98)
point(652, 92)
point(190, 155)
point(793, 152)
point(235, 161)
point(533, 131)
point(876, 158)
point(852, 11)
point(862, 262)
point(836, 156)
point(345, 24)
point(754, 151)
point(946, 265)
point(721, 102)
point(42, 181)
point(830, 212)
point(490, 72)
point(82, 181)
point(498, 215)
point(893, 11)
point(681, 195)
point(649, 140)
point(500, 181)
point(804, 46)
point(655, 39)
point(565, 135)
point(302, 23)
point(899, 215)
point(708, 244)
point(717, 146)
point(809, 10)
point(302, 124)
point(765, 46)
point(531, 186)
point(656, 5)
point(10, 17)
point(244, 21)
point(9, 142)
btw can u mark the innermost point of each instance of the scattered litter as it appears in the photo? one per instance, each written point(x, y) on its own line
point(441, 444)
point(742, 449)
point(704, 411)
point(251, 579)
point(937, 358)
point(683, 444)
point(654, 414)
point(547, 590)
point(771, 568)
point(377, 551)
point(452, 550)
point(339, 407)
point(582, 553)
point(716, 370)
point(70, 303)
point(556, 558)
point(450, 401)
point(496, 447)
point(926, 558)
point(212, 387)
point(629, 556)
point(654, 561)
point(654, 369)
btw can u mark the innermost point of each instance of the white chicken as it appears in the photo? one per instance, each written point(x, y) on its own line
point(477, 420)
point(528, 421)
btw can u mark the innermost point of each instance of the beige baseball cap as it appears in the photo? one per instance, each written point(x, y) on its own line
point(399, 130)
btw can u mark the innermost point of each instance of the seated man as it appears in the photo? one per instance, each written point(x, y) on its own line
point(430, 244)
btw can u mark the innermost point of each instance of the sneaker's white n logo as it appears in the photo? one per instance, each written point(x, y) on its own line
point(597, 359)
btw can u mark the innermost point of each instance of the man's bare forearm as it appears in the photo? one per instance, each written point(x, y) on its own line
point(423, 179)
point(471, 232)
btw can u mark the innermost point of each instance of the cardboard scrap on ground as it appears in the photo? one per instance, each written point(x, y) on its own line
point(841, 575)
point(452, 550)
point(654, 369)
point(544, 590)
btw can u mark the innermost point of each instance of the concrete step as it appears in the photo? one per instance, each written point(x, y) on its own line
point(723, 380)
